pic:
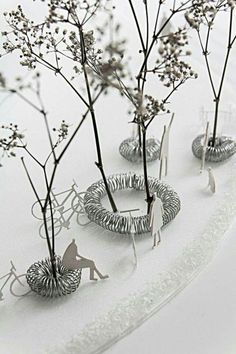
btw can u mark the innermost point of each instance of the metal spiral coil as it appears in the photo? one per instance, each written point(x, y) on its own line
point(224, 148)
point(122, 224)
point(131, 151)
point(40, 278)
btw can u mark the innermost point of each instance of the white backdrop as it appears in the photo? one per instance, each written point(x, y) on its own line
point(201, 319)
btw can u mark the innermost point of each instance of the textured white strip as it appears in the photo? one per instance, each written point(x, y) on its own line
point(132, 311)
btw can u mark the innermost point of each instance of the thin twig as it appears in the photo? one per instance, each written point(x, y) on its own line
point(58, 71)
point(31, 182)
point(157, 17)
point(26, 100)
point(51, 212)
point(217, 100)
point(78, 126)
point(205, 53)
point(137, 24)
point(99, 164)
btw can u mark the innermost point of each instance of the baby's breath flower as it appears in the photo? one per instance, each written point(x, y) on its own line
point(11, 138)
point(204, 12)
point(171, 68)
point(62, 131)
point(36, 41)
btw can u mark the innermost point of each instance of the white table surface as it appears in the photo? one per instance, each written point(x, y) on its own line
point(202, 318)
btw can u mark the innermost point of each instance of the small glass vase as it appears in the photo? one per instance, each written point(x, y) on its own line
point(223, 149)
point(224, 146)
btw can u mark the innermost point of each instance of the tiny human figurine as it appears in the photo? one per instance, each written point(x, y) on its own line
point(164, 149)
point(135, 131)
point(156, 219)
point(204, 148)
point(211, 180)
point(72, 260)
point(132, 233)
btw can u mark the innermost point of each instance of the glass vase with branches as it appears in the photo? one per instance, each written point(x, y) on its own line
point(162, 59)
point(202, 17)
point(12, 139)
point(65, 38)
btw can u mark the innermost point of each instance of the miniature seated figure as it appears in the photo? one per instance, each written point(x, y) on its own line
point(72, 260)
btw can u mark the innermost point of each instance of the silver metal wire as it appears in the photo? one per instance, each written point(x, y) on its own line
point(225, 147)
point(119, 223)
point(40, 278)
point(131, 151)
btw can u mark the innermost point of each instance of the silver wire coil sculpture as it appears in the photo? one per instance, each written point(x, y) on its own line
point(131, 151)
point(224, 148)
point(40, 278)
point(122, 224)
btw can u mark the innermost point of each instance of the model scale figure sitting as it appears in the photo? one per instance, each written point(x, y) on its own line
point(72, 260)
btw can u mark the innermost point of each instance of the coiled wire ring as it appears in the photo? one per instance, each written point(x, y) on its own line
point(224, 148)
point(131, 151)
point(40, 278)
point(120, 223)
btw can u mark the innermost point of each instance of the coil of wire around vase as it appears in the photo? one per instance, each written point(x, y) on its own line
point(116, 222)
point(40, 278)
point(131, 150)
point(224, 148)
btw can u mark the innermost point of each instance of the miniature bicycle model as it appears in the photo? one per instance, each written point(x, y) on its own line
point(58, 207)
point(21, 290)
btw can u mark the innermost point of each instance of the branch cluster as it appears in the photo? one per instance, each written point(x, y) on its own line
point(171, 67)
point(11, 139)
point(204, 12)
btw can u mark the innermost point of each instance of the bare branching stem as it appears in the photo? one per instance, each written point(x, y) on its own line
point(216, 92)
point(149, 198)
point(43, 210)
point(99, 163)
point(217, 99)
point(137, 24)
point(37, 45)
point(147, 49)
point(206, 54)
point(79, 125)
